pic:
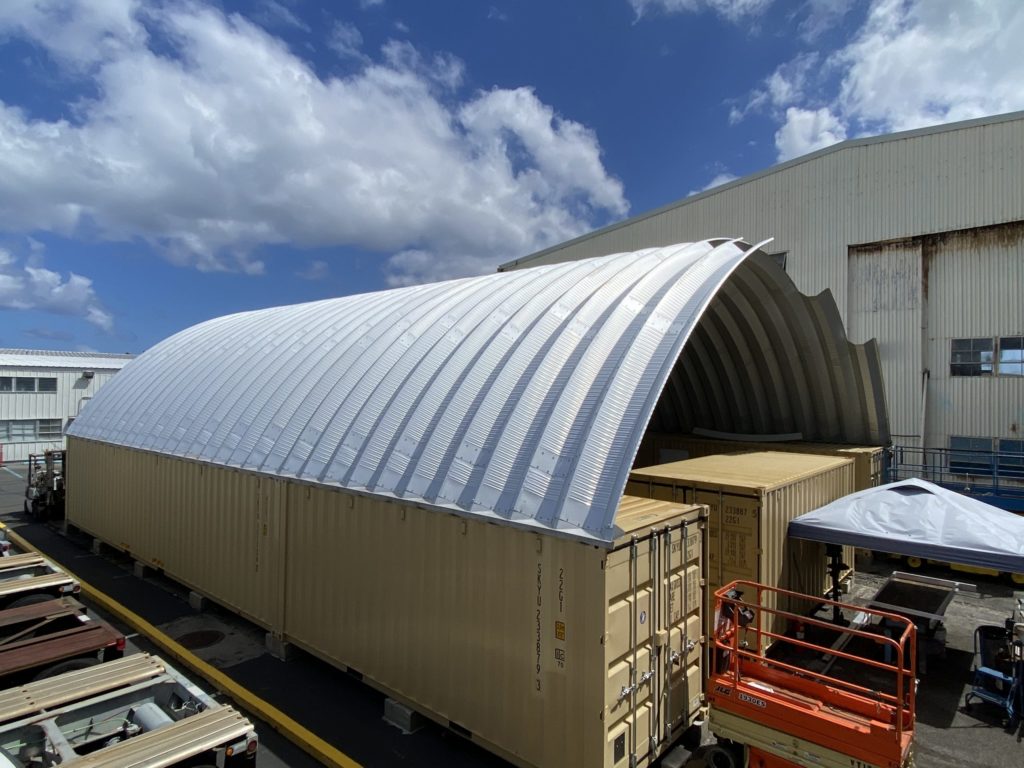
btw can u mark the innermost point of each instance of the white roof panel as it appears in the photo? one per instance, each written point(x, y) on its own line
point(516, 396)
point(44, 358)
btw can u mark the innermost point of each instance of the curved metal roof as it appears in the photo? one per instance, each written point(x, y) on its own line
point(517, 396)
point(767, 360)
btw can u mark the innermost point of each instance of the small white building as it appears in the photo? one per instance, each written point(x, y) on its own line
point(41, 393)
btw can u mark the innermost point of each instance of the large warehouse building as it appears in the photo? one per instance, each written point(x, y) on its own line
point(919, 236)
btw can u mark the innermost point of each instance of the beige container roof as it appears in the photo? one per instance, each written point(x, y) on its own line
point(635, 513)
point(763, 470)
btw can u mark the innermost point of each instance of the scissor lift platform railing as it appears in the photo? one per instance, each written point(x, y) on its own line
point(788, 714)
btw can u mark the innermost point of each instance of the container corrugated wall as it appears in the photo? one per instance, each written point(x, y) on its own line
point(216, 530)
point(524, 640)
point(869, 461)
point(749, 518)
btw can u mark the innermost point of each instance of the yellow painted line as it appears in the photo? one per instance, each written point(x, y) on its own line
point(301, 736)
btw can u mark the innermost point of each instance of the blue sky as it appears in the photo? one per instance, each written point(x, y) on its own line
point(166, 162)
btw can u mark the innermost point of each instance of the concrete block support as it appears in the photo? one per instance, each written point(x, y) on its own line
point(279, 647)
point(141, 570)
point(197, 602)
point(402, 717)
point(97, 547)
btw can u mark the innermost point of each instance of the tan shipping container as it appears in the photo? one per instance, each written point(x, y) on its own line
point(548, 651)
point(664, 447)
point(752, 497)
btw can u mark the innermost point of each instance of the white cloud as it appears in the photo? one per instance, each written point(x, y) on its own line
point(917, 63)
point(722, 178)
point(274, 12)
point(208, 138)
point(913, 63)
point(78, 34)
point(370, 3)
point(807, 130)
point(782, 88)
point(24, 286)
point(821, 15)
point(315, 270)
point(346, 40)
point(733, 10)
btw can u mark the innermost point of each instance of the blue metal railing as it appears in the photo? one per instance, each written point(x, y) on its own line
point(994, 477)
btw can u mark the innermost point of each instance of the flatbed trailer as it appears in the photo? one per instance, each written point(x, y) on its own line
point(24, 576)
point(138, 711)
point(51, 637)
point(777, 708)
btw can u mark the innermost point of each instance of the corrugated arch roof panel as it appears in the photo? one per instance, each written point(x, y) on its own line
point(519, 396)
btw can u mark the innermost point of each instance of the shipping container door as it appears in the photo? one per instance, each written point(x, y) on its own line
point(654, 642)
point(682, 660)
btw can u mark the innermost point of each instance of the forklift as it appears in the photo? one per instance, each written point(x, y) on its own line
point(44, 492)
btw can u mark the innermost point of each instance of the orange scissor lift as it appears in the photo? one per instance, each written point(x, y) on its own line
point(788, 690)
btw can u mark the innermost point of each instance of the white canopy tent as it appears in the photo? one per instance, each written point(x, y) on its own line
point(917, 518)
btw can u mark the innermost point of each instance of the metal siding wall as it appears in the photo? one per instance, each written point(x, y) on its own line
point(939, 182)
point(982, 276)
point(886, 303)
point(62, 404)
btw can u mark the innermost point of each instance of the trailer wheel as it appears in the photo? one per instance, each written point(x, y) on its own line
point(717, 756)
point(35, 599)
point(72, 665)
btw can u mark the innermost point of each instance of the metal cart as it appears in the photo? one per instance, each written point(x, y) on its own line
point(998, 674)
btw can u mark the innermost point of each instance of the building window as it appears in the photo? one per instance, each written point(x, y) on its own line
point(49, 429)
point(971, 357)
point(27, 384)
point(1011, 356)
point(30, 430)
point(983, 357)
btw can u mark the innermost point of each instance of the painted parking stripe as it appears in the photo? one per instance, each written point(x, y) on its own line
point(298, 734)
